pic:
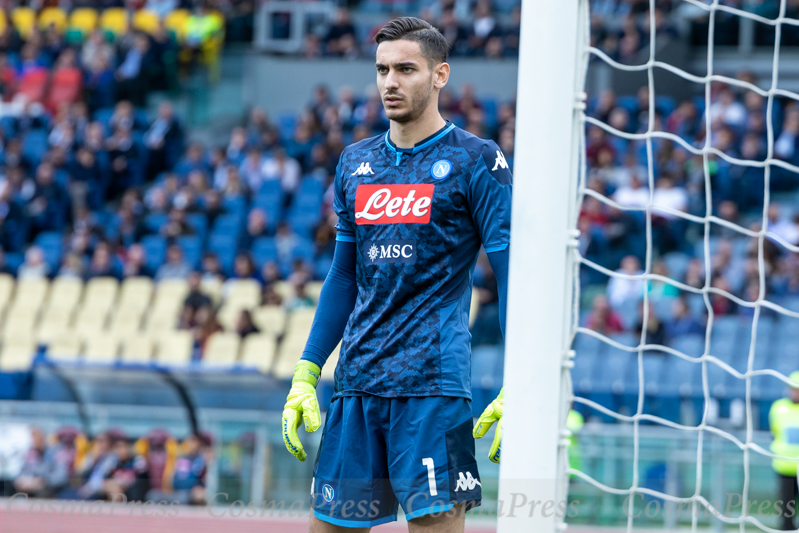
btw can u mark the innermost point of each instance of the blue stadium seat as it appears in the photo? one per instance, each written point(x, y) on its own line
point(8, 125)
point(665, 104)
point(228, 225)
point(224, 246)
point(199, 223)
point(690, 345)
point(263, 250)
point(192, 247)
point(725, 327)
point(103, 116)
point(584, 371)
point(286, 124)
point(322, 266)
point(34, 145)
point(681, 378)
point(14, 260)
point(235, 205)
point(51, 244)
point(304, 249)
point(154, 250)
point(155, 222)
point(628, 102)
point(611, 373)
point(677, 263)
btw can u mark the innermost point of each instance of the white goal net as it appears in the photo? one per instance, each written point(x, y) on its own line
point(711, 251)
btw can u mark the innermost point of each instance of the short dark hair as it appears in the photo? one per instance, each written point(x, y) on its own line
point(434, 46)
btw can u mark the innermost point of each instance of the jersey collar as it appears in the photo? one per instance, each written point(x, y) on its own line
point(449, 126)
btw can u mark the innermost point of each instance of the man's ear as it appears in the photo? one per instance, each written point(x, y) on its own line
point(440, 75)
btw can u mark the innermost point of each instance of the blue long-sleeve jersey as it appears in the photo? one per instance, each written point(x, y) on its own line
point(416, 219)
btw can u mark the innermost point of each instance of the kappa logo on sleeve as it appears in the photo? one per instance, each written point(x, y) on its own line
point(393, 204)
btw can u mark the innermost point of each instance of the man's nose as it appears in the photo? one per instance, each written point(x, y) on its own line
point(392, 80)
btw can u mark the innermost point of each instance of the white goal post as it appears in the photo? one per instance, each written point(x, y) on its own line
point(546, 166)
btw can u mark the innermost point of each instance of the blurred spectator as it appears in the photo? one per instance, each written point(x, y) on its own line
point(603, 319)
point(175, 266)
point(34, 266)
point(654, 330)
point(340, 39)
point(33, 478)
point(190, 470)
point(245, 325)
point(681, 322)
point(622, 289)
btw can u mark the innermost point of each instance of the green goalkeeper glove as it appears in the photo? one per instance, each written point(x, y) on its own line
point(301, 404)
point(492, 413)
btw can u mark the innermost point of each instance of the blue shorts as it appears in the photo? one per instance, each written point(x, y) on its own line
point(377, 453)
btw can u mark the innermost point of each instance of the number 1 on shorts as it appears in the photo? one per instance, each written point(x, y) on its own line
point(431, 474)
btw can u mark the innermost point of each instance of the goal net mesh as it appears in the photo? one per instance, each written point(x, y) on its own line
point(718, 369)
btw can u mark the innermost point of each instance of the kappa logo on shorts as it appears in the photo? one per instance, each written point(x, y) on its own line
point(467, 482)
point(328, 493)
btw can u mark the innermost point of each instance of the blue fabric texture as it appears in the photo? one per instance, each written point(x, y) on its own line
point(499, 264)
point(336, 302)
point(378, 453)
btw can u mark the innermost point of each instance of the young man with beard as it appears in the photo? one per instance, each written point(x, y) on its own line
point(415, 205)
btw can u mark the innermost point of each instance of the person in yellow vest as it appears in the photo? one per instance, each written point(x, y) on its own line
point(784, 422)
point(574, 423)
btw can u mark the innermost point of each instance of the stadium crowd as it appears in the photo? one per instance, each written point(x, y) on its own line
point(155, 467)
point(616, 239)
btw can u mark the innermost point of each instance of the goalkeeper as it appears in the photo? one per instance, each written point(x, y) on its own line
point(414, 206)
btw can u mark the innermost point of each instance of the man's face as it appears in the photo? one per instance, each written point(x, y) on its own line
point(404, 80)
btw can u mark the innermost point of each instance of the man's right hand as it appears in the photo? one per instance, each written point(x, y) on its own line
point(301, 405)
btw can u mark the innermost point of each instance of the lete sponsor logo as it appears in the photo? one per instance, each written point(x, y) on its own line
point(393, 204)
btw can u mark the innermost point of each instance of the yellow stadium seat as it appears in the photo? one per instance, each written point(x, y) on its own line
point(270, 319)
point(146, 21)
point(30, 294)
point(171, 289)
point(285, 290)
point(6, 290)
point(3, 21)
point(138, 349)
point(301, 319)
point(213, 288)
point(126, 321)
point(175, 347)
point(84, 20)
point(53, 16)
point(19, 324)
point(114, 20)
point(135, 293)
point(24, 19)
point(101, 348)
point(100, 293)
point(162, 319)
point(176, 22)
point(65, 293)
point(90, 320)
point(474, 307)
point(49, 330)
point(228, 315)
point(17, 355)
point(221, 349)
point(258, 351)
point(314, 289)
point(328, 371)
point(65, 346)
point(244, 293)
point(298, 326)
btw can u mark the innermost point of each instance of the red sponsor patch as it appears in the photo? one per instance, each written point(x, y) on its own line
point(393, 204)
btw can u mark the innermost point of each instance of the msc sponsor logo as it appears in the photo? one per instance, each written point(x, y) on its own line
point(393, 204)
point(390, 251)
